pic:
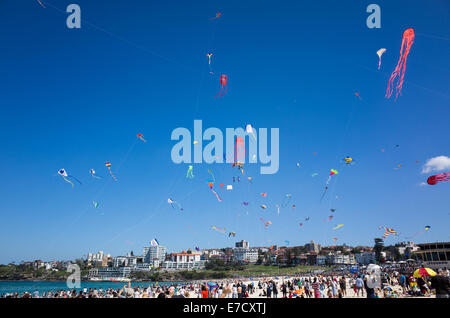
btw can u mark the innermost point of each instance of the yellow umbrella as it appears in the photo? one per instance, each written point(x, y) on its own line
point(424, 272)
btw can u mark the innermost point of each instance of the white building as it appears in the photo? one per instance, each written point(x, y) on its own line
point(185, 257)
point(184, 260)
point(365, 258)
point(245, 254)
point(341, 259)
point(152, 253)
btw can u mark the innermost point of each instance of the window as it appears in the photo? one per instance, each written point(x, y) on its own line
point(448, 255)
point(442, 256)
point(428, 256)
point(435, 256)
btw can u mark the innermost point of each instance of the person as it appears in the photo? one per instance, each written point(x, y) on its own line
point(441, 284)
point(422, 286)
point(235, 291)
point(359, 286)
point(403, 283)
point(275, 291)
point(343, 286)
point(204, 292)
point(315, 286)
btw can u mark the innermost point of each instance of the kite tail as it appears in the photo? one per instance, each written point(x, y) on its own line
point(76, 179)
point(219, 92)
point(69, 181)
point(226, 88)
point(112, 175)
point(379, 63)
point(217, 196)
point(41, 3)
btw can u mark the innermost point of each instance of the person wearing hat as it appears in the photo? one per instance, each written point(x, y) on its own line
point(441, 284)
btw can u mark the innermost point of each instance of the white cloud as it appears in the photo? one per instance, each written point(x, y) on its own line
point(436, 164)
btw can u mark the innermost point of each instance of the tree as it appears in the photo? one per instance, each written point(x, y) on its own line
point(378, 247)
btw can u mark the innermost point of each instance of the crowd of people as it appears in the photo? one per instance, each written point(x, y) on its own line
point(391, 284)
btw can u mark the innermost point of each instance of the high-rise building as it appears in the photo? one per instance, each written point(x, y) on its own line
point(243, 244)
point(151, 253)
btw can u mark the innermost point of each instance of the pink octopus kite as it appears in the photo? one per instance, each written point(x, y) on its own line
point(407, 42)
point(438, 178)
point(223, 82)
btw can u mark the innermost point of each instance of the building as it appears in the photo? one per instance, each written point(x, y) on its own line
point(312, 247)
point(243, 244)
point(341, 259)
point(434, 255)
point(249, 255)
point(185, 257)
point(109, 273)
point(171, 265)
point(321, 260)
point(152, 253)
point(365, 258)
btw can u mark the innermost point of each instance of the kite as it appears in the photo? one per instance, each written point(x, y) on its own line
point(218, 15)
point(238, 179)
point(195, 142)
point(249, 130)
point(418, 233)
point(332, 172)
point(301, 224)
point(307, 218)
point(190, 172)
point(298, 164)
point(209, 55)
point(66, 177)
point(379, 53)
point(221, 185)
point(197, 249)
point(41, 3)
point(108, 165)
point(332, 210)
point(287, 242)
point(229, 187)
point(250, 179)
point(218, 229)
point(93, 175)
point(263, 206)
point(330, 217)
point(264, 194)
point(438, 178)
point(334, 239)
point(266, 224)
point(348, 160)
point(399, 71)
point(233, 234)
point(95, 204)
point(388, 232)
point(223, 82)
point(338, 226)
point(141, 137)
point(245, 203)
point(314, 174)
point(293, 206)
point(357, 94)
point(172, 202)
point(154, 242)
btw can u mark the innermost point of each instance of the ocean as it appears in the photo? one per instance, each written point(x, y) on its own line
point(46, 286)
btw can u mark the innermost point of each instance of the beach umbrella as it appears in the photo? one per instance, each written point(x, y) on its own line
point(212, 285)
point(424, 272)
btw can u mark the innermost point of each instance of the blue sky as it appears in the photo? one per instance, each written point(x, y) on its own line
point(75, 98)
